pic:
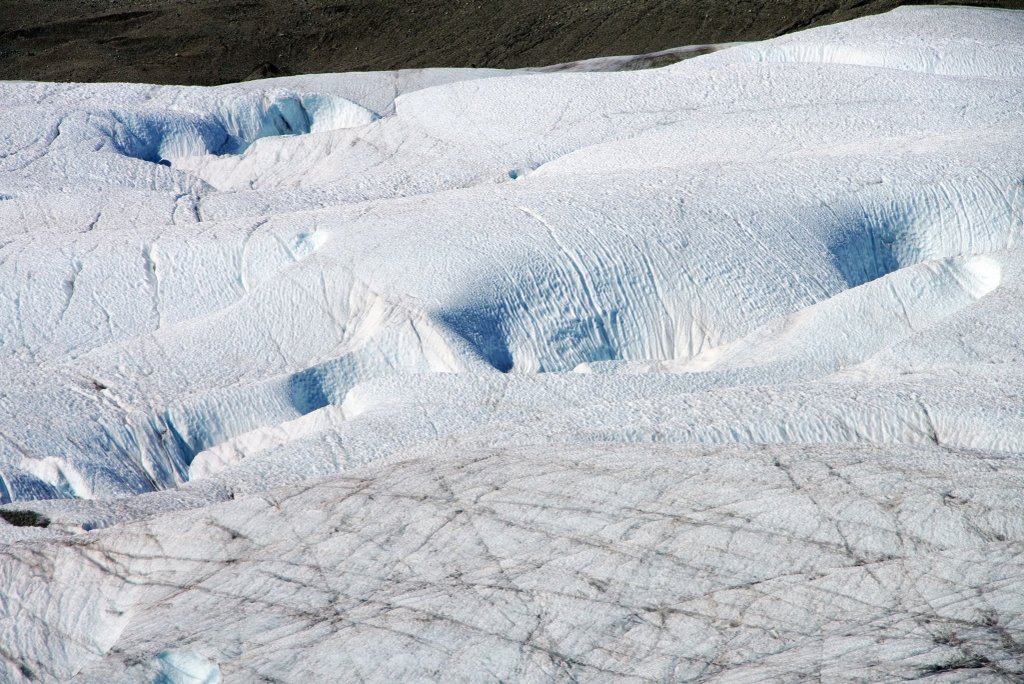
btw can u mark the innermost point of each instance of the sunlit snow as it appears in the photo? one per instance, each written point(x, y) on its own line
point(709, 371)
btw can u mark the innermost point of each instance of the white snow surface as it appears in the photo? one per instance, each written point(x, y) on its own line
point(706, 372)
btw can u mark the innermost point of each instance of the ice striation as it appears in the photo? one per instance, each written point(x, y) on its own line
point(709, 371)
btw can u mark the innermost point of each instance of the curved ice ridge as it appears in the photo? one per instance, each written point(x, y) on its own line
point(172, 137)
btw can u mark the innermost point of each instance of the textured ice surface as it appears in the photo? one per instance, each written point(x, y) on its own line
point(707, 371)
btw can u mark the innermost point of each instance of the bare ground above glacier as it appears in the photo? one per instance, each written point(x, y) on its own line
point(208, 42)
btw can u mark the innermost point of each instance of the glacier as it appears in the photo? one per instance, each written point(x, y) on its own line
point(710, 371)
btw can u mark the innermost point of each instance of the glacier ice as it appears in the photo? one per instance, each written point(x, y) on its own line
point(709, 371)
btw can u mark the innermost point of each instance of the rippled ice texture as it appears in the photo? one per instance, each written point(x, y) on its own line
point(711, 371)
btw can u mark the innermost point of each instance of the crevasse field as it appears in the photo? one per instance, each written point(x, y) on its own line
point(712, 371)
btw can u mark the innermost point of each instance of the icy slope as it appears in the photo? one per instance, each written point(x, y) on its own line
point(711, 370)
point(641, 563)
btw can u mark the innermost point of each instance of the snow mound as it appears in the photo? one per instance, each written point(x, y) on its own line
point(923, 45)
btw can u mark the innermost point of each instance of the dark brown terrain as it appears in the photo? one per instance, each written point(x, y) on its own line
point(207, 42)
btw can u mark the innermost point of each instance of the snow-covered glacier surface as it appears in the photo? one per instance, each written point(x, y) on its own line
point(711, 371)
